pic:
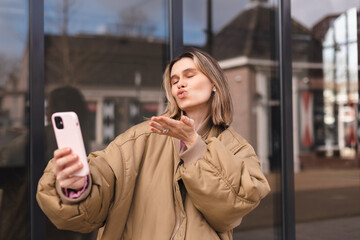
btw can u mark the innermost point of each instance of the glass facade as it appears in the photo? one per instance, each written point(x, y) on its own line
point(105, 60)
point(14, 120)
point(326, 129)
point(241, 35)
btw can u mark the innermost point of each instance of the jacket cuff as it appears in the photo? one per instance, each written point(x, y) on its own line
point(194, 153)
point(67, 200)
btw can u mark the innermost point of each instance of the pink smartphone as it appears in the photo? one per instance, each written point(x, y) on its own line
point(68, 134)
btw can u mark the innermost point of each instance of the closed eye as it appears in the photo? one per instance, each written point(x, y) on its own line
point(189, 73)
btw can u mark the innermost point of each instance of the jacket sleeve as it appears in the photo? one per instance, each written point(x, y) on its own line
point(226, 182)
point(82, 215)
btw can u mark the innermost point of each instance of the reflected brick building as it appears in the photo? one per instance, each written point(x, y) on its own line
point(246, 51)
point(128, 69)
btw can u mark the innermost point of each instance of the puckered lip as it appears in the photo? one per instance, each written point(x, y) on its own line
point(181, 92)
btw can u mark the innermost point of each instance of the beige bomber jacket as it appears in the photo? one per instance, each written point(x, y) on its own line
point(140, 190)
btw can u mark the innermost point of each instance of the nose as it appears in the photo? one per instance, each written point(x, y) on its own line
point(181, 83)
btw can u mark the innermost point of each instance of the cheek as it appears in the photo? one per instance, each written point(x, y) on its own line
point(207, 89)
point(173, 92)
point(209, 95)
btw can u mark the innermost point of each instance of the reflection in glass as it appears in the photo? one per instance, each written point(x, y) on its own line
point(345, 82)
point(327, 181)
point(14, 122)
point(113, 54)
point(241, 35)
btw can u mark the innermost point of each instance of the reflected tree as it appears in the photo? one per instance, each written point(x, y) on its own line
point(9, 70)
point(133, 22)
point(68, 58)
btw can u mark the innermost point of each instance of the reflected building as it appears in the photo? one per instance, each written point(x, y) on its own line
point(246, 49)
point(338, 34)
point(14, 113)
point(120, 78)
point(324, 86)
point(116, 74)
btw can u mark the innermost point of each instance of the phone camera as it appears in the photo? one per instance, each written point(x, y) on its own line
point(59, 122)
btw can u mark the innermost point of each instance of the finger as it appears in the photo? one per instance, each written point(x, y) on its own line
point(156, 125)
point(155, 130)
point(158, 129)
point(58, 153)
point(163, 119)
point(167, 122)
point(69, 171)
point(61, 163)
point(162, 124)
point(188, 121)
point(73, 183)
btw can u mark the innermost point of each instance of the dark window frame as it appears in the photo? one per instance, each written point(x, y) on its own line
point(286, 120)
point(36, 96)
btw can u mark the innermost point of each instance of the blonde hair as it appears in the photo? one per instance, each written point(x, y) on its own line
point(221, 108)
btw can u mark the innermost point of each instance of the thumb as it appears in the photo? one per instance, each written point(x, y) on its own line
point(188, 121)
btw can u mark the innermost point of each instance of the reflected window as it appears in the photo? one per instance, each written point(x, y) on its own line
point(113, 54)
point(242, 36)
point(341, 81)
point(14, 121)
point(326, 120)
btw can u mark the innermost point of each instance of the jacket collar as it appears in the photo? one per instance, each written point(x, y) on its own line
point(204, 128)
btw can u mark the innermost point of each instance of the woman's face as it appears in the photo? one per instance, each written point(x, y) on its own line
point(190, 87)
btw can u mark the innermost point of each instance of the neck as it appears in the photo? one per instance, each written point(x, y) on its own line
point(198, 117)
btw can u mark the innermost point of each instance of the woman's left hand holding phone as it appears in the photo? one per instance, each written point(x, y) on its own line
point(66, 164)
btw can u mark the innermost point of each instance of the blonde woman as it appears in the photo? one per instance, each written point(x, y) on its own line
point(183, 175)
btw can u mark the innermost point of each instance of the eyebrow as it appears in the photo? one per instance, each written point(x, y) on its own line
point(184, 71)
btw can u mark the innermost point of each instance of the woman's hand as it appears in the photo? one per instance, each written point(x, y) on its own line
point(182, 129)
point(66, 164)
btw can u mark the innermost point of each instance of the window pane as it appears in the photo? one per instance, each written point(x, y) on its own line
point(327, 178)
point(103, 60)
point(241, 35)
point(14, 120)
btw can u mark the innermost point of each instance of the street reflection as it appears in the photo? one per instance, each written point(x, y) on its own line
point(325, 103)
point(14, 120)
point(327, 165)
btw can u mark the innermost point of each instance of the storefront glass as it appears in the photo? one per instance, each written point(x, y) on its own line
point(14, 120)
point(241, 35)
point(325, 39)
point(103, 60)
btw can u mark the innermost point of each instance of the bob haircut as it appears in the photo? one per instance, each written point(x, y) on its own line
point(221, 108)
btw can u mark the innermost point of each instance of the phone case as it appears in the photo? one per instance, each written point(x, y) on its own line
point(70, 136)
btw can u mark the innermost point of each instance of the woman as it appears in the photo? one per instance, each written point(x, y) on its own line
point(183, 175)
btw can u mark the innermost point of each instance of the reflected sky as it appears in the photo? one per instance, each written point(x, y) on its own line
point(13, 27)
point(99, 17)
point(309, 12)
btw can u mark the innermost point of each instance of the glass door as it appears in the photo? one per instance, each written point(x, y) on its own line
point(242, 36)
point(14, 120)
point(104, 60)
point(326, 118)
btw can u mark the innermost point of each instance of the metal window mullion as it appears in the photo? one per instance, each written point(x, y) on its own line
point(36, 96)
point(176, 27)
point(287, 162)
